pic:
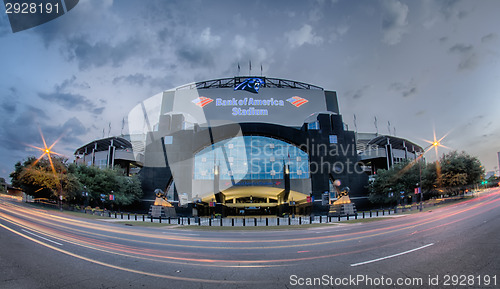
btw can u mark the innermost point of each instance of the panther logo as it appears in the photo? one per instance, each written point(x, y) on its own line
point(250, 84)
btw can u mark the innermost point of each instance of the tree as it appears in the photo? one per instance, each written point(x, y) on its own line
point(451, 174)
point(3, 185)
point(100, 183)
point(388, 185)
point(429, 177)
point(454, 172)
point(44, 179)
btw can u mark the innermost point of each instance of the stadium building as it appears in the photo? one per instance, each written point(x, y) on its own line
point(111, 152)
point(384, 151)
point(243, 145)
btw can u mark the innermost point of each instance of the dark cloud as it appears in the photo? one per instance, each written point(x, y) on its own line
point(34, 113)
point(101, 53)
point(90, 15)
point(70, 132)
point(160, 63)
point(21, 132)
point(392, 17)
point(139, 79)
point(71, 83)
point(358, 93)
point(195, 56)
point(10, 101)
point(405, 89)
point(198, 47)
point(409, 92)
point(394, 21)
point(462, 14)
point(23, 129)
point(489, 37)
point(461, 48)
point(133, 79)
point(474, 121)
point(449, 8)
point(468, 59)
point(469, 62)
point(420, 113)
point(73, 102)
point(9, 106)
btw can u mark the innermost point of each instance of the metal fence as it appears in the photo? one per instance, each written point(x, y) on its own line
point(256, 221)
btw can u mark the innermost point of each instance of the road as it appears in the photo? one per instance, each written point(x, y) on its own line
point(458, 245)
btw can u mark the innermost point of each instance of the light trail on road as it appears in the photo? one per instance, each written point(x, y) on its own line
point(347, 236)
point(109, 244)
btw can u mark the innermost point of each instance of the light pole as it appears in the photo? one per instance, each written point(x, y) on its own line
point(435, 143)
point(420, 184)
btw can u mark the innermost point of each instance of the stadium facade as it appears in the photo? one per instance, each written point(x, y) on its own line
point(246, 145)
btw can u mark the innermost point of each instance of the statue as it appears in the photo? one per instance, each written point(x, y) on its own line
point(161, 207)
point(342, 206)
point(161, 199)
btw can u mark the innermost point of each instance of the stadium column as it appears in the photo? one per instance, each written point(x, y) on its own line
point(111, 155)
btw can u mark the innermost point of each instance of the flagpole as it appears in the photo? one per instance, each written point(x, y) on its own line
point(355, 127)
point(123, 125)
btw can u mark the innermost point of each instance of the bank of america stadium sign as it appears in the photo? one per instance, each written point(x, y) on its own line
point(249, 106)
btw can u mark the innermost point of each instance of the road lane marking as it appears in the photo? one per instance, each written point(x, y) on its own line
point(132, 270)
point(391, 256)
point(41, 237)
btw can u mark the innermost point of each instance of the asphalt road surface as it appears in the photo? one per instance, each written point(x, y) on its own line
point(457, 246)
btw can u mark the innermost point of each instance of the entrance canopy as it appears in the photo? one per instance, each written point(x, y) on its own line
point(259, 196)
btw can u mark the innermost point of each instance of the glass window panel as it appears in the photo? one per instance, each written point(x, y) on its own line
point(251, 158)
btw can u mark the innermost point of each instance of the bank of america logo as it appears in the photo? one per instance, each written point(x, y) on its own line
point(202, 101)
point(297, 101)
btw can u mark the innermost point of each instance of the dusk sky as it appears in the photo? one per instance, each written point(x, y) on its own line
point(420, 65)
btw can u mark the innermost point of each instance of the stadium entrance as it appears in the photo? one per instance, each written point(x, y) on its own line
point(254, 200)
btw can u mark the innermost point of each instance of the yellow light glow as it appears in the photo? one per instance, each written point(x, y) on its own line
point(436, 143)
point(47, 151)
